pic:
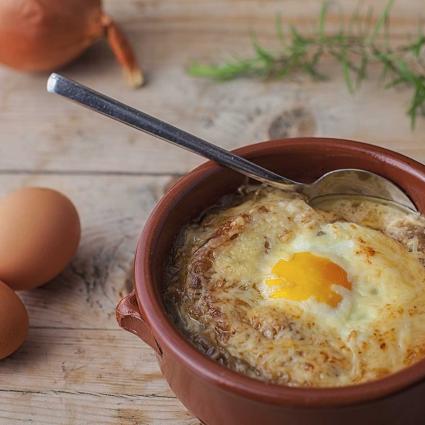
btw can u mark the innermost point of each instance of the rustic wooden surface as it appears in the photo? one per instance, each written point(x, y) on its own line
point(77, 366)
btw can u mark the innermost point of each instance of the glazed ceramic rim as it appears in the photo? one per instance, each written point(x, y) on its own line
point(168, 335)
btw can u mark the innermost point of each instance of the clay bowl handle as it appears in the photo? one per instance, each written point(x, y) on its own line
point(130, 319)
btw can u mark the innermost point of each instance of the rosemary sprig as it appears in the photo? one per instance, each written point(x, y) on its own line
point(355, 48)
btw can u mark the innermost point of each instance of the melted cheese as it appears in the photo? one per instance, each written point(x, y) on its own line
point(288, 294)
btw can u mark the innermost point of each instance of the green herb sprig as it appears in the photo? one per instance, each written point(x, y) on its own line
point(355, 51)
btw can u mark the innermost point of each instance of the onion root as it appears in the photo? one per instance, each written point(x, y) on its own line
point(123, 52)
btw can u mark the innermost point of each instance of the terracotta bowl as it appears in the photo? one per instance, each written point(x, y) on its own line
point(217, 395)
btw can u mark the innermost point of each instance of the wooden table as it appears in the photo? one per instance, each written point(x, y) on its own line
point(77, 366)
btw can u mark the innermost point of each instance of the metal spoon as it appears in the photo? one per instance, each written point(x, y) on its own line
point(335, 183)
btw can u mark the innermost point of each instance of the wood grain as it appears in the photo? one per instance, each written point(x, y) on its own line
point(77, 367)
point(84, 361)
point(60, 136)
point(75, 408)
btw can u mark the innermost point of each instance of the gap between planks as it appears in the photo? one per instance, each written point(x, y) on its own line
point(87, 393)
point(87, 173)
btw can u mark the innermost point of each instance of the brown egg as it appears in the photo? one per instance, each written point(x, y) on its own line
point(39, 234)
point(13, 321)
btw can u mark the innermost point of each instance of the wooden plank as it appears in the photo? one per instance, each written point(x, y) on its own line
point(59, 136)
point(235, 17)
point(110, 362)
point(63, 408)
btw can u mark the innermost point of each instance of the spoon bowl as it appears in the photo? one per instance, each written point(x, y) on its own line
point(356, 183)
point(341, 182)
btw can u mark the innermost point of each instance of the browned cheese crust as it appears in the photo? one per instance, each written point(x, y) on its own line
point(216, 295)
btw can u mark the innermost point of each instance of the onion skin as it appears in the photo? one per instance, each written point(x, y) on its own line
point(43, 35)
point(32, 28)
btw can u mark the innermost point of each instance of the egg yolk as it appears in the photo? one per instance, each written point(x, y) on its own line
point(306, 275)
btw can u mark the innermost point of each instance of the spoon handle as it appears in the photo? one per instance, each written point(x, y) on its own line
point(144, 122)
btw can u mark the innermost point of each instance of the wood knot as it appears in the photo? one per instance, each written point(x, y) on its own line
point(292, 123)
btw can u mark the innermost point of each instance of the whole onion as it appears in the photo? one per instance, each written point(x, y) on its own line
point(43, 35)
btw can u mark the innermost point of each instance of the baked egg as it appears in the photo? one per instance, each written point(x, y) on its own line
point(289, 294)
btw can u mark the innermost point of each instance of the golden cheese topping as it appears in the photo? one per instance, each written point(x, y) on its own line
point(285, 293)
